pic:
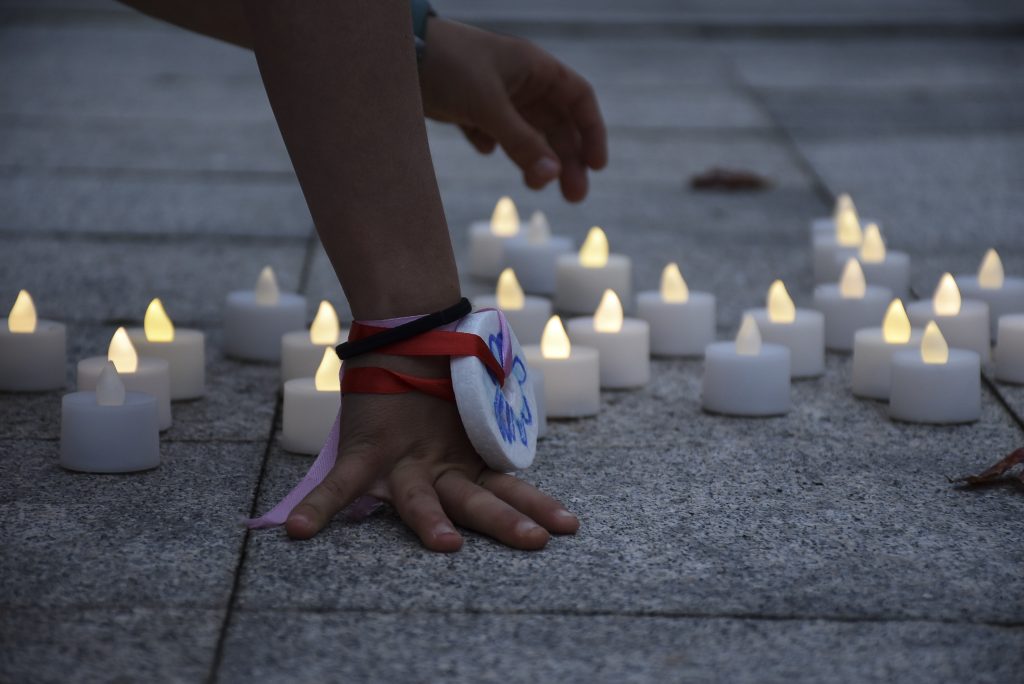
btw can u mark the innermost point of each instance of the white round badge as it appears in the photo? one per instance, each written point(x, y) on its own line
point(501, 421)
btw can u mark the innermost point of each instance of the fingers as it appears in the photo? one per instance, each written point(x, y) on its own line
point(353, 473)
point(483, 143)
point(565, 141)
point(414, 498)
point(525, 146)
point(578, 98)
point(531, 501)
point(472, 506)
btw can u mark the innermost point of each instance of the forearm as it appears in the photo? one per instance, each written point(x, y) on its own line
point(342, 81)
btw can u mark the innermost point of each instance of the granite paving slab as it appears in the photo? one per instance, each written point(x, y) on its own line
point(112, 644)
point(165, 537)
point(609, 648)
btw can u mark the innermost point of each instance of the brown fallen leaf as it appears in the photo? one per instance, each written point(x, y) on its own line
point(729, 180)
point(995, 473)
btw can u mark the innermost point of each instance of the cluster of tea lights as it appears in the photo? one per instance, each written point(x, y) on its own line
point(900, 354)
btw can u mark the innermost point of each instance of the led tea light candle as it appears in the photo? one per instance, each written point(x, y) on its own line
point(534, 257)
point(33, 352)
point(311, 405)
point(746, 377)
point(964, 323)
point(580, 280)
point(302, 351)
point(1009, 354)
point(487, 239)
point(873, 349)
point(935, 384)
point(843, 209)
point(831, 251)
point(1002, 294)
point(623, 344)
point(184, 351)
point(147, 375)
point(255, 321)
point(802, 331)
point(527, 315)
point(537, 376)
point(882, 266)
point(681, 322)
point(850, 306)
point(571, 373)
point(109, 430)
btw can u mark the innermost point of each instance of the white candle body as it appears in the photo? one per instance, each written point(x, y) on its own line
point(252, 332)
point(739, 385)
point(527, 323)
point(534, 262)
point(893, 272)
point(152, 377)
point(186, 356)
point(1009, 352)
point(537, 375)
point(1008, 299)
point(804, 337)
point(844, 317)
point(578, 289)
point(829, 258)
point(936, 393)
point(35, 361)
point(487, 250)
point(572, 387)
point(872, 361)
point(109, 439)
point(308, 416)
point(300, 358)
point(968, 329)
point(678, 328)
point(624, 356)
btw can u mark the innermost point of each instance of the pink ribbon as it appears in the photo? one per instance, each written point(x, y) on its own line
point(364, 505)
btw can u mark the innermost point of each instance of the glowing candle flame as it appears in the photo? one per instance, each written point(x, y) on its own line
point(22, 318)
point(509, 294)
point(122, 352)
point(946, 300)
point(748, 339)
point(594, 252)
point(328, 374)
point(780, 305)
point(852, 284)
point(109, 388)
point(505, 219)
point(896, 324)
point(538, 230)
point(267, 291)
point(157, 323)
point(872, 249)
point(847, 222)
point(673, 287)
point(608, 317)
point(990, 274)
point(934, 349)
point(325, 328)
point(554, 342)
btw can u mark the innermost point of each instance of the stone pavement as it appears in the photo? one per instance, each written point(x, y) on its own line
point(137, 160)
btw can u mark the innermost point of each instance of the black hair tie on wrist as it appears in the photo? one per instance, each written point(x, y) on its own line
point(347, 350)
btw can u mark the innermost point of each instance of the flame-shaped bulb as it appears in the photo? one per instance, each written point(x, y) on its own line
point(594, 251)
point(780, 305)
point(990, 273)
point(505, 218)
point(509, 293)
point(852, 284)
point(328, 374)
point(157, 324)
point(748, 339)
point(538, 230)
point(934, 349)
point(109, 388)
point(848, 233)
point(896, 324)
point(22, 318)
point(554, 342)
point(122, 352)
point(946, 300)
point(673, 286)
point(872, 249)
point(608, 317)
point(267, 291)
point(325, 328)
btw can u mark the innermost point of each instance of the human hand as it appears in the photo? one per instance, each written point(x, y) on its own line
point(507, 91)
point(412, 451)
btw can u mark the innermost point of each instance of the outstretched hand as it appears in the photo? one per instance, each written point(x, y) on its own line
point(506, 91)
point(412, 451)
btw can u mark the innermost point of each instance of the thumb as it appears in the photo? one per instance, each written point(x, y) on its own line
point(351, 476)
point(525, 146)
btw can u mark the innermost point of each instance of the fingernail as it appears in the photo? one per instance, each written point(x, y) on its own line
point(545, 168)
point(563, 514)
point(443, 530)
point(526, 527)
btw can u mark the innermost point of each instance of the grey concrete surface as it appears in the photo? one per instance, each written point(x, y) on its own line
point(139, 161)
